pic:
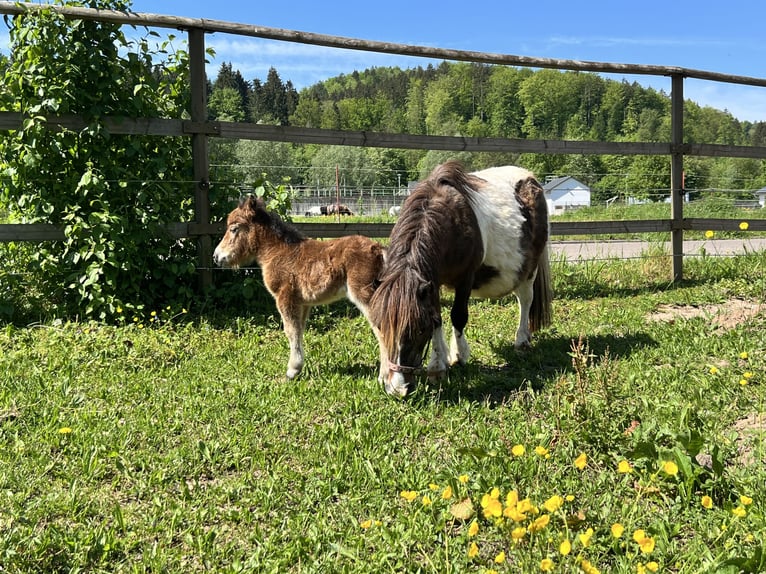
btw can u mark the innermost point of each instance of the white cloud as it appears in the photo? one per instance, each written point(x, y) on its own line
point(302, 64)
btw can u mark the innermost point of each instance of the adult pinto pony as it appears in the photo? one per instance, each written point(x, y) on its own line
point(482, 234)
point(299, 272)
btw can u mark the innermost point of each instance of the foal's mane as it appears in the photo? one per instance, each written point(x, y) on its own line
point(256, 211)
point(415, 253)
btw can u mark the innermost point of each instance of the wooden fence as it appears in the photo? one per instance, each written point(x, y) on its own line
point(200, 130)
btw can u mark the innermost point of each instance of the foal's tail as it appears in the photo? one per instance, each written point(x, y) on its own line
point(541, 313)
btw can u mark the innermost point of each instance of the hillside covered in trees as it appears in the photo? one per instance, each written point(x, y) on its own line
point(476, 100)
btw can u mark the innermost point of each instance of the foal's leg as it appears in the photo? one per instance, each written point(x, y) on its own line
point(460, 351)
point(294, 319)
point(524, 294)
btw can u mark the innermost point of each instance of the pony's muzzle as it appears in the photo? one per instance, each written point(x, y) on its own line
point(401, 380)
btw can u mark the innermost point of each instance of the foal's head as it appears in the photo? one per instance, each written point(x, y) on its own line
point(247, 227)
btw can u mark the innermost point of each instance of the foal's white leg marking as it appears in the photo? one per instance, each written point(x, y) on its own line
point(294, 327)
point(460, 351)
point(383, 373)
point(437, 366)
point(524, 294)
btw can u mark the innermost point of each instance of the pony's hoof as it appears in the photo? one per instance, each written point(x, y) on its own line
point(523, 347)
point(292, 373)
point(436, 375)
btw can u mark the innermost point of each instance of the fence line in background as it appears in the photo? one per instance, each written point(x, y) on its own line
point(200, 130)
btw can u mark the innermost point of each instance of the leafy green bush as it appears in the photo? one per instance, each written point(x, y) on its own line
point(111, 194)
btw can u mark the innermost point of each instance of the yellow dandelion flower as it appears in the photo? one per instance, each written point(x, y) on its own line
point(493, 508)
point(652, 566)
point(623, 467)
point(473, 550)
point(514, 514)
point(119, 309)
point(433, 486)
point(408, 495)
point(447, 493)
point(65, 430)
point(184, 311)
point(569, 497)
point(713, 370)
point(500, 558)
point(743, 355)
point(546, 565)
point(490, 571)
point(518, 533)
point(585, 537)
point(709, 234)
point(581, 461)
point(541, 451)
point(495, 493)
point(553, 503)
point(473, 530)
point(670, 468)
point(640, 568)
point(588, 568)
point(565, 547)
point(747, 375)
point(518, 450)
point(617, 529)
point(153, 313)
point(745, 500)
point(646, 543)
point(526, 506)
point(707, 502)
point(739, 512)
point(512, 498)
point(744, 225)
point(539, 523)
point(463, 479)
point(426, 500)
point(743, 382)
point(366, 524)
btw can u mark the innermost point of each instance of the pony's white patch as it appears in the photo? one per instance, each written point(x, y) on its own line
point(499, 215)
point(439, 353)
point(460, 351)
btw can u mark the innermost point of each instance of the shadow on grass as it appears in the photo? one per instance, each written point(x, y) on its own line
point(530, 370)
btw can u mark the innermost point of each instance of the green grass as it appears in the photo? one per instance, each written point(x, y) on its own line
point(174, 444)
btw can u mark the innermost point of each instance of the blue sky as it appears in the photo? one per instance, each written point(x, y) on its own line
point(719, 37)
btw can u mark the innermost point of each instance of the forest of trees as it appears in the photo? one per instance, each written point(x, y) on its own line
point(475, 100)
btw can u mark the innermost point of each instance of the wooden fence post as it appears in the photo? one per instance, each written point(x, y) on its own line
point(200, 155)
point(676, 175)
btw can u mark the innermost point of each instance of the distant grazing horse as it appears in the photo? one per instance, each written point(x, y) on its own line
point(299, 272)
point(482, 234)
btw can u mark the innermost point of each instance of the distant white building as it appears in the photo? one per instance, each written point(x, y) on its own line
point(761, 195)
point(565, 193)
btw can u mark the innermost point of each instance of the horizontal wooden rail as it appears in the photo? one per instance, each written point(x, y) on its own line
point(345, 43)
point(293, 134)
point(36, 232)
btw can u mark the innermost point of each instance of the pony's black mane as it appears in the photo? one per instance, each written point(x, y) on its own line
point(417, 251)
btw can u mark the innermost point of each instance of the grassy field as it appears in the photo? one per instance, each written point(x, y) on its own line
point(629, 439)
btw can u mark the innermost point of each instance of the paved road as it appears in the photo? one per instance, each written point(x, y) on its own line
point(590, 250)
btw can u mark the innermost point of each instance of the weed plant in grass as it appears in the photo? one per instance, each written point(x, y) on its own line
point(625, 441)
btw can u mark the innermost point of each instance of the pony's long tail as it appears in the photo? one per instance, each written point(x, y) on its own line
point(541, 311)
